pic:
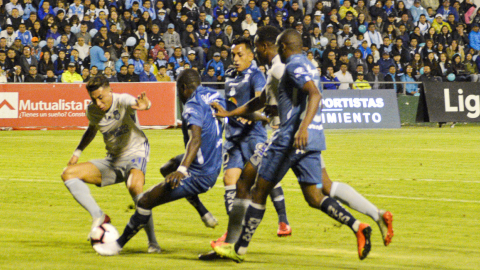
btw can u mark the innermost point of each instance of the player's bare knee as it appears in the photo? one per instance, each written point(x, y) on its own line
point(143, 202)
point(67, 174)
point(169, 167)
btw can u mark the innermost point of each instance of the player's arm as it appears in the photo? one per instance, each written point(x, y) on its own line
point(142, 103)
point(191, 150)
point(250, 107)
point(87, 138)
point(314, 97)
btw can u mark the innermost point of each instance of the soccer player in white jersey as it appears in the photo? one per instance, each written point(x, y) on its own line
point(115, 116)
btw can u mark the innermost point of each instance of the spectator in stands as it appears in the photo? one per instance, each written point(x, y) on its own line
point(344, 77)
point(408, 76)
point(194, 63)
point(82, 48)
point(474, 37)
point(172, 39)
point(146, 75)
point(217, 64)
point(86, 75)
point(60, 65)
point(71, 76)
point(97, 55)
point(9, 34)
point(329, 77)
point(376, 77)
point(209, 76)
point(24, 35)
point(162, 75)
point(33, 76)
point(178, 59)
point(76, 9)
point(471, 67)
point(136, 61)
point(45, 63)
point(361, 83)
point(27, 60)
point(190, 42)
point(108, 74)
point(17, 75)
point(392, 76)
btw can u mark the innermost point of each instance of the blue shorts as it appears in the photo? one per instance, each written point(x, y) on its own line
point(238, 155)
point(193, 185)
point(278, 159)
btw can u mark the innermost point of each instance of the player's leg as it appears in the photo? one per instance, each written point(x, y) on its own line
point(75, 178)
point(135, 183)
point(350, 197)
point(232, 166)
point(310, 179)
point(208, 219)
point(278, 200)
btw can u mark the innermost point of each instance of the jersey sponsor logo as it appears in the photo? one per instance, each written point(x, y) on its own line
point(123, 129)
point(116, 115)
point(210, 97)
point(9, 105)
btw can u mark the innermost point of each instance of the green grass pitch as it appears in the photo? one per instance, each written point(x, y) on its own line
point(428, 177)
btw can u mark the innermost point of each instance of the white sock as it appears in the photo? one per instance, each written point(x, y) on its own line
point(235, 219)
point(81, 193)
point(350, 197)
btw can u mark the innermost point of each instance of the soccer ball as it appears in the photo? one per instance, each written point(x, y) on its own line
point(103, 234)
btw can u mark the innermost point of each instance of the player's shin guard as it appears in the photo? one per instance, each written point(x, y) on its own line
point(195, 202)
point(236, 216)
point(136, 223)
point(82, 195)
point(332, 208)
point(350, 197)
point(230, 192)
point(253, 217)
point(278, 200)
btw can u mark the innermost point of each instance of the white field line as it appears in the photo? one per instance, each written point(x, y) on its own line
point(220, 185)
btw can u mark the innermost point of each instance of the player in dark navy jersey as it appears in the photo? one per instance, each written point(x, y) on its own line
point(200, 167)
point(297, 145)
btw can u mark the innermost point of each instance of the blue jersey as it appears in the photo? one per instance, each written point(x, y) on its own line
point(199, 113)
point(240, 87)
point(292, 103)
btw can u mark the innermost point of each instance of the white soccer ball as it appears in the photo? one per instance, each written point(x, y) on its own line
point(103, 234)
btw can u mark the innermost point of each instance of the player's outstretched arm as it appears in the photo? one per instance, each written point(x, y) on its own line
point(250, 107)
point(87, 138)
point(314, 97)
point(195, 135)
point(143, 103)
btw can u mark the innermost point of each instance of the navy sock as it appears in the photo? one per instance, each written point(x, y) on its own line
point(137, 222)
point(278, 200)
point(253, 217)
point(332, 208)
point(195, 202)
point(230, 193)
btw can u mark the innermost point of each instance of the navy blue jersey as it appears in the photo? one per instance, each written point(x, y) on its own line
point(199, 113)
point(292, 103)
point(240, 87)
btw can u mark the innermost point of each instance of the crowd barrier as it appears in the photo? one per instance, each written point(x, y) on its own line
point(61, 105)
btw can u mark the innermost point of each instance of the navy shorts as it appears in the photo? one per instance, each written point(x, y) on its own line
point(193, 185)
point(238, 155)
point(278, 159)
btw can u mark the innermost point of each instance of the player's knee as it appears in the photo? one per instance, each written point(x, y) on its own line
point(67, 174)
point(143, 202)
point(169, 167)
point(314, 201)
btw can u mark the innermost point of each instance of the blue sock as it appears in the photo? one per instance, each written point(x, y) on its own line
point(253, 217)
point(278, 200)
point(137, 222)
point(332, 208)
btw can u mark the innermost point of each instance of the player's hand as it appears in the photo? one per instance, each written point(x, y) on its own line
point(142, 102)
point(301, 139)
point(244, 121)
point(174, 179)
point(73, 160)
point(221, 112)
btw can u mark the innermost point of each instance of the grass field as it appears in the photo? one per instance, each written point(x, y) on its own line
point(428, 177)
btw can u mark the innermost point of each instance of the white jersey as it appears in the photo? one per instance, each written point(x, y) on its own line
point(274, 75)
point(120, 127)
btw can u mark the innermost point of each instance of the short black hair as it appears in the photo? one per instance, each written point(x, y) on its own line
point(267, 34)
point(243, 40)
point(97, 82)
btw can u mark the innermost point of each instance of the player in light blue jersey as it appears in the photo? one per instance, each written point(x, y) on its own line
point(115, 116)
point(242, 136)
point(200, 167)
point(296, 145)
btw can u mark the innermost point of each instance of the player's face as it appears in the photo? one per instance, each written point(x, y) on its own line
point(261, 51)
point(102, 98)
point(242, 57)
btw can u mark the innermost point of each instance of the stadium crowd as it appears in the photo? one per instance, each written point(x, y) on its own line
point(356, 44)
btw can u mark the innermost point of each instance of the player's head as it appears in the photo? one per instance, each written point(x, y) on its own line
point(242, 53)
point(265, 47)
point(99, 90)
point(187, 83)
point(289, 43)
